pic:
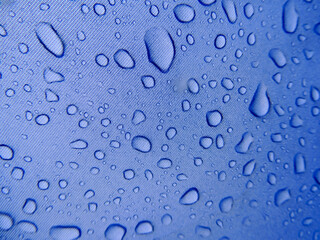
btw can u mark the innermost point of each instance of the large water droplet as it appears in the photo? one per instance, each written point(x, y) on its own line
point(184, 13)
point(138, 117)
point(29, 206)
point(214, 118)
point(144, 227)
point(282, 196)
point(123, 58)
point(191, 196)
point(17, 173)
point(6, 221)
point(6, 152)
point(226, 204)
point(60, 232)
point(42, 119)
point(290, 17)
point(230, 10)
point(299, 163)
point(207, 2)
point(27, 226)
point(260, 103)
point(141, 144)
point(248, 168)
point(115, 232)
point(160, 48)
point(278, 57)
point(203, 231)
point(164, 163)
point(50, 39)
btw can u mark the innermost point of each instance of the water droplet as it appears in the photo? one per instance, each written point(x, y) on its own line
point(79, 144)
point(17, 173)
point(6, 152)
point(203, 231)
point(190, 197)
point(123, 58)
point(220, 41)
point(248, 10)
point(316, 175)
point(249, 167)
point(138, 117)
point(207, 2)
point(3, 31)
point(42, 119)
point(219, 141)
point(50, 39)
point(148, 81)
point(148, 174)
point(115, 231)
point(214, 118)
point(154, 10)
point(160, 48)
point(171, 133)
point(141, 144)
point(102, 60)
point(260, 103)
point(206, 142)
point(184, 13)
point(299, 163)
point(226, 204)
point(6, 221)
point(23, 48)
point(296, 121)
point(227, 83)
point(30, 206)
point(281, 196)
point(65, 232)
point(290, 17)
point(128, 174)
point(51, 96)
point(51, 76)
point(144, 227)
point(72, 109)
point(27, 226)
point(164, 163)
point(230, 10)
point(193, 86)
point(272, 179)
point(99, 9)
point(314, 93)
point(245, 143)
point(278, 57)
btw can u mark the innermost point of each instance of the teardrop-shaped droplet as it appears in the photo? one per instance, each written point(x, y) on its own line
point(3, 31)
point(160, 48)
point(124, 60)
point(115, 232)
point(50, 39)
point(290, 17)
point(190, 197)
point(51, 96)
point(184, 13)
point(260, 103)
point(65, 232)
point(248, 168)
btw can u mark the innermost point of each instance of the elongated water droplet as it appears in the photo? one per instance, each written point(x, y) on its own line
point(160, 48)
point(50, 39)
point(299, 163)
point(51, 76)
point(248, 168)
point(6, 221)
point(79, 144)
point(124, 60)
point(278, 57)
point(230, 10)
point(290, 17)
point(65, 232)
point(245, 143)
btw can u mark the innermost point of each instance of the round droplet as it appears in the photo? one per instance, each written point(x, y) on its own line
point(214, 118)
point(6, 152)
point(206, 142)
point(166, 219)
point(128, 174)
point(6, 221)
point(220, 41)
point(184, 13)
point(72, 109)
point(248, 10)
point(23, 48)
point(17, 173)
point(43, 184)
point(102, 60)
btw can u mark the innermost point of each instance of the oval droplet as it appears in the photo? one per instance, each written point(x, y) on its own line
point(42, 119)
point(79, 144)
point(164, 163)
point(290, 17)
point(226, 204)
point(260, 103)
point(144, 227)
point(190, 197)
point(6, 152)
point(141, 144)
point(123, 58)
point(184, 13)
point(115, 231)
